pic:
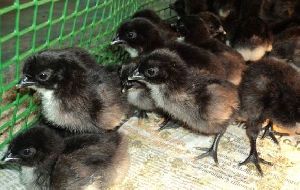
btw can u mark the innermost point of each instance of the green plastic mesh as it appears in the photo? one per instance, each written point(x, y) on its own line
point(28, 26)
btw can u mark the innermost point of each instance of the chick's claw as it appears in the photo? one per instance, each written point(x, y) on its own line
point(268, 131)
point(209, 152)
point(256, 160)
point(213, 150)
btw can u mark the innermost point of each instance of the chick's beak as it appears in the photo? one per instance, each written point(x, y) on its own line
point(117, 41)
point(24, 82)
point(221, 30)
point(136, 75)
point(9, 157)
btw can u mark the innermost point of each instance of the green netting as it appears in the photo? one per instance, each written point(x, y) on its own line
point(28, 26)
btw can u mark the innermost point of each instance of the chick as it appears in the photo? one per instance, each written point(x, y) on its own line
point(214, 25)
point(77, 94)
point(139, 96)
point(286, 45)
point(252, 38)
point(137, 93)
point(91, 161)
point(194, 30)
point(197, 33)
point(138, 35)
point(270, 89)
point(36, 151)
point(80, 161)
point(206, 104)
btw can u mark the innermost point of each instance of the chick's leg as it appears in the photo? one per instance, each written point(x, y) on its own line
point(212, 151)
point(252, 133)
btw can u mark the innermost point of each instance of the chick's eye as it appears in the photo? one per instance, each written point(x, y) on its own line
point(151, 72)
point(131, 35)
point(44, 76)
point(28, 151)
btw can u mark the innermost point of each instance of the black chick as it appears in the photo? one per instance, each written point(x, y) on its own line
point(197, 33)
point(252, 38)
point(270, 89)
point(139, 95)
point(142, 36)
point(77, 94)
point(91, 161)
point(206, 104)
point(36, 151)
point(210, 26)
point(76, 162)
point(286, 45)
point(214, 25)
point(189, 7)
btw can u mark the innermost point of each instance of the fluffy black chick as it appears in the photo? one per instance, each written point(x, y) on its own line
point(286, 45)
point(77, 162)
point(138, 94)
point(189, 7)
point(198, 34)
point(91, 161)
point(206, 104)
point(214, 25)
point(36, 150)
point(252, 38)
point(76, 93)
point(270, 89)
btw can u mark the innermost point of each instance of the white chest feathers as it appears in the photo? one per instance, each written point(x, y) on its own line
point(254, 54)
point(132, 51)
point(50, 105)
point(180, 39)
point(28, 177)
point(141, 99)
point(180, 106)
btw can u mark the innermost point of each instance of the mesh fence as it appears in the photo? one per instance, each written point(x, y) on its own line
point(28, 26)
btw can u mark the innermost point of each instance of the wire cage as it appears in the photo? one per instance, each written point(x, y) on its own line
point(28, 26)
